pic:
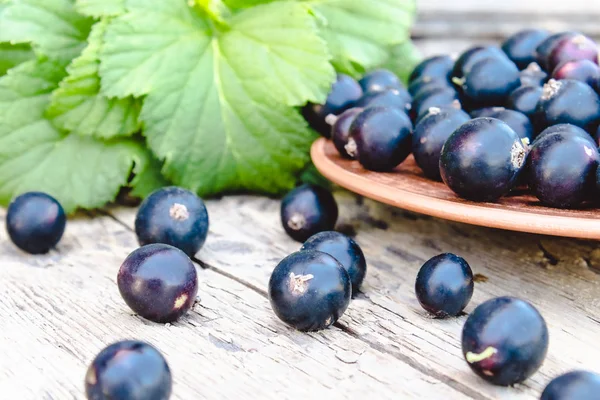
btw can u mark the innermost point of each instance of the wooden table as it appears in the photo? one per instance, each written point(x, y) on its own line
point(60, 309)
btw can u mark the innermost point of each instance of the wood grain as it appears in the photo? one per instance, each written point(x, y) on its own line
point(406, 187)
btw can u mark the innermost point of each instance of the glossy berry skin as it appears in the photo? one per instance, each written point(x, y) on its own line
point(565, 130)
point(433, 97)
point(436, 67)
point(35, 222)
point(533, 75)
point(340, 130)
point(569, 102)
point(472, 56)
point(429, 137)
point(580, 70)
point(307, 210)
point(525, 100)
point(173, 216)
point(482, 159)
point(344, 93)
point(382, 137)
point(580, 385)
point(129, 370)
point(397, 98)
point(158, 282)
point(490, 81)
point(505, 340)
point(578, 47)
point(562, 169)
point(380, 80)
point(309, 290)
point(427, 82)
point(444, 285)
point(455, 105)
point(543, 51)
point(517, 121)
point(345, 250)
point(520, 47)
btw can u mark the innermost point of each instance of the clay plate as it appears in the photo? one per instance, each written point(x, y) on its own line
point(407, 188)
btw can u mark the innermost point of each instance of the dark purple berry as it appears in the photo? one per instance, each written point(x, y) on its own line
point(567, 130)
point(397, 98)
point(543, 51)
point(437, 67)
point(427, 82)
point(444, 285)
point(533, 75)
point(569, 102)
point(580, 70)
point(307, 210)
point(158, 282)
point(309, 290)
point(344, 93)
point(129, 370)
point(345, 250)
point(472, 56)
point(340, 131)
point(490, 81)
point(562, 169)
point(455, 105)
point(380, 138)
point(35, 222)
point(484, 112)
point(380, 80)
point(430, 135)
point(520, 47)
point(173, 216)
point(525, 100)
point(433, 97)
point(505, 340)
point(517, 121)
point(578, 47)
point(482, 159)
point(579, 385)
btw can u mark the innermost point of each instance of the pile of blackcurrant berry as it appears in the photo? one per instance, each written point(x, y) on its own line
point(523, 114)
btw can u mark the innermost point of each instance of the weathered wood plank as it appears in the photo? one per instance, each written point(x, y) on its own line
point(60, 309)
point(246, 241)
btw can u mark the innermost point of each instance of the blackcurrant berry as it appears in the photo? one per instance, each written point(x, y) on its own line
point(309, 290)
point(543, 51)
point(525, 100)
point(128, 370)
point(345, 250)
point(35, 222)
point(307, 210)
point(379, 81)
point(578, 47)
point(472, 56)
point(444, 285)
point(455, 105)
point(569, 102)
point(340, 131)
point(433, 97)
point(173, 216)
point(520, 47)
point(485, 112)
point(580, 70)
point(562, 169)
point(427, 82)
point(437, 67)
point(490, 81)
point(533, 75)
point(517, 121)
point(381, 138)
point(505, 340)
point(580, 385)
point(430, 135)
point(344, 93)
point(565, 130)
point(158, 282)
point(482, 159)
point(397, 98)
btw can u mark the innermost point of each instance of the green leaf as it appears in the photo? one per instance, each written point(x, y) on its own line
point(359, 32)
point(100, 8)
point(12, 55)
point(78, 107)
point(238, 4)
point(78, 171)
point(215, 107)
point(217, 10)
point(402, 59)
point(149, 178)
point(53, 27)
